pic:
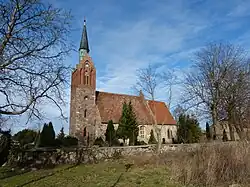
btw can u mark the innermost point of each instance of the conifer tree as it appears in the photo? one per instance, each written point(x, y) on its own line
point(208, 133)
point(132, 125)
point(47, 136)
point(61, 134)
point(188, 129)
point(152, 139)
point(123, 131)
point(128, 126)
point(110, 133)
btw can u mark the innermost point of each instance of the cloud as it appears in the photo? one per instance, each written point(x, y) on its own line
point(241, 9)
point(126, 35)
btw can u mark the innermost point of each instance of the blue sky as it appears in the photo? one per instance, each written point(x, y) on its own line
point(126, 35)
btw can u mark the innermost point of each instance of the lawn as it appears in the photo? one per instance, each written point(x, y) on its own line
point(101, 174)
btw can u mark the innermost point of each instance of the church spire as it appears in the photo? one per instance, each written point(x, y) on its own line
point(84, 45)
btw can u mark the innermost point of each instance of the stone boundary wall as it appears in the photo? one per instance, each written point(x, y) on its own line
point(73, 155)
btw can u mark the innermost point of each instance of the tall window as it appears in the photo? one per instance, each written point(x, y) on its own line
point(84, 132)
point(85, 113)
point(86, 79)
point(168, 134)
point(142, 131)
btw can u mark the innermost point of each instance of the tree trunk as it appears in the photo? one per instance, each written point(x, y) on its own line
point(231, 132)
point(214, 117)
point(230, 124)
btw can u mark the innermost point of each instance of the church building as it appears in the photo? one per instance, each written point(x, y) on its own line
point(90, 110)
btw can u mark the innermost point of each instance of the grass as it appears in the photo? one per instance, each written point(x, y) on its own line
point(213, 165)
point(101, 174)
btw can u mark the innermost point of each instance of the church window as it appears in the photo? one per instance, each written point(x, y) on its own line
point(86, 79)
point(84, 132)
point(142, 131)
point(85, 113)
point(168, 134)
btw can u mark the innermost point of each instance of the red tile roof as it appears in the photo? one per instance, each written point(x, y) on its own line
point(110, 108)
point(163, 116)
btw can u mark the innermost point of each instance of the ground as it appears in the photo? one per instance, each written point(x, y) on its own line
point(101, 174)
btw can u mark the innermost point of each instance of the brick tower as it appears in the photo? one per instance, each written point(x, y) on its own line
point(84, 115)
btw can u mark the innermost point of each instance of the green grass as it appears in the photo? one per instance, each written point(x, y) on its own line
point(101, 174)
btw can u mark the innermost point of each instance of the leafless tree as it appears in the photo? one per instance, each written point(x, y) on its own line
point(148, 82)
point(236, 96)
point(34, 39)
point(209, 85)
point(169, 79)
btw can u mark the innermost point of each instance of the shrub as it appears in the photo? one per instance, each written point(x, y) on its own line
point(69, 141)
point(141, 143)
point(99, 141)
point(116, 142)
point(5, 146)
point(25, 136)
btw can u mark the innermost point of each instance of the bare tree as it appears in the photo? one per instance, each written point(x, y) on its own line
point(236, 96)
point(207, 86)
point(33, 43)
point(148, 82)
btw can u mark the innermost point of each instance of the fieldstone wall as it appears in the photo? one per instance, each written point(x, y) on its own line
point(49, 156)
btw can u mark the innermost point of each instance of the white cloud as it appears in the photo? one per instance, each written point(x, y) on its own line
point(165, 33)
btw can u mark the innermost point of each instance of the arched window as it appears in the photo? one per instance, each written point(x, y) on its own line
point(84, 132)
point(142, 131)
point(85, 113)
point(168, 134)
point(86, 79)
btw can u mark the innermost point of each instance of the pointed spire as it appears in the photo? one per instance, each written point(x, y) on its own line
point(84, 41)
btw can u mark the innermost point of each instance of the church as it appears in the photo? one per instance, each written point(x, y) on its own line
point(90, 110)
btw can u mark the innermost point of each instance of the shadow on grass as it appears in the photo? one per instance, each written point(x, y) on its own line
point(48, 175)
point(127, 167)
point(9, 173)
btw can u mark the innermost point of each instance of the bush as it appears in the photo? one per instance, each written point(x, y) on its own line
point(99, 141)
point(212, 164)
point(215, 164)
point(5, 146)
point(25, 136)
point(116, 142)
point(141, 143)
point(69, 141)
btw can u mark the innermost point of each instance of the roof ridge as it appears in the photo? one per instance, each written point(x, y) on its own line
point(118, 94)
point(129, 96)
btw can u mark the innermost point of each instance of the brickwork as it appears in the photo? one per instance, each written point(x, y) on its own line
point(84, 114)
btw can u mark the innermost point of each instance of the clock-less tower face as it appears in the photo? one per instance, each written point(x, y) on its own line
point(82, 53)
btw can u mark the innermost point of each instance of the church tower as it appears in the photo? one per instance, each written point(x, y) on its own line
point(83, 110)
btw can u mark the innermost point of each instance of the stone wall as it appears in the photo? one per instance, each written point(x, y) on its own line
point(43, 156)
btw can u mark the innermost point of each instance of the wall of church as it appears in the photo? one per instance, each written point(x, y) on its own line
point(167, 132)
point(85, 115)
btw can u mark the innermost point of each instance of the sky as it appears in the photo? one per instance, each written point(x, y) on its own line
point(126, 35)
